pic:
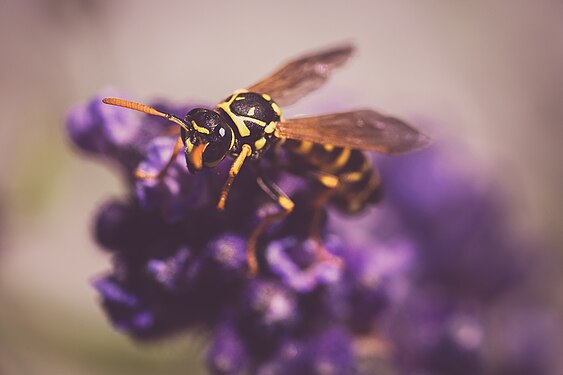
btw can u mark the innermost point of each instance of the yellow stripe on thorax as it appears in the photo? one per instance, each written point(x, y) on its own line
point(243, 130)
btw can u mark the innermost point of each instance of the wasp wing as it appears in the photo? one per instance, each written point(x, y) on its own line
point(303, 75)
point(363, 129)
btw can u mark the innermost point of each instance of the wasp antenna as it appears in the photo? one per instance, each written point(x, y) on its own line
point(136, 106)
point(145, 109)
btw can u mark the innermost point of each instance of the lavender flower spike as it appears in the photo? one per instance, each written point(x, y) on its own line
point(431, 266)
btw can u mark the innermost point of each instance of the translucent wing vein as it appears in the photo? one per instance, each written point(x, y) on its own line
point(363, 129)
point(303, 75)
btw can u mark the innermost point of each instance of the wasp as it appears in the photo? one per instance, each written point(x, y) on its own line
point(248, 124)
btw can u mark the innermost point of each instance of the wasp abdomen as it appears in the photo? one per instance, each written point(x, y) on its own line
point(359, 183)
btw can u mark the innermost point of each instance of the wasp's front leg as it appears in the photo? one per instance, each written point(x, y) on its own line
point(285, 203)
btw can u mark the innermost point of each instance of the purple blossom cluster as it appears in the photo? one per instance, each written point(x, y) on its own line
point(416, 292)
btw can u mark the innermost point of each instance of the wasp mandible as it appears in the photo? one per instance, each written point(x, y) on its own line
point(328, 148)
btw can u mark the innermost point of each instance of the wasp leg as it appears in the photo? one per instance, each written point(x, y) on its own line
point(329, 185)
point(233, 172)
point(287, 206)
point(140, 174)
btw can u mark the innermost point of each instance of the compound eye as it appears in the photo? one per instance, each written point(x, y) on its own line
point(218, 147)
point(214, 152)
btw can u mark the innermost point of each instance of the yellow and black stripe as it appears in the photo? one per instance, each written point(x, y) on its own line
point(358, 183)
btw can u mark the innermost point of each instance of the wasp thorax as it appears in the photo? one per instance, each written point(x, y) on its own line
point(208, 140)
point(254, 117)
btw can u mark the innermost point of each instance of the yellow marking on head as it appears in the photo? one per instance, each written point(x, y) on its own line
point(251, 111)
point(240, 98)
point(267, 97)
point(276, 108)
point(189, 145)
point(270, 127)
point(260, 143)
point(200, 129)
point(328, 147)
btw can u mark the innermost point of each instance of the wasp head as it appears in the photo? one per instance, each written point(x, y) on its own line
point(207, 140)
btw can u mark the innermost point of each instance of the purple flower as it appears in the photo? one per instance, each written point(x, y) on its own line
point(126, 309)
point(329, 352)
point(227, 354)
point(528, 340)
point(169, 272)
point(375, 280)
point(460, 222)
point(414, 282)
point(432, 333)
point(101, 129)
point(267, 311)
point(175, 193)
point(293, 261)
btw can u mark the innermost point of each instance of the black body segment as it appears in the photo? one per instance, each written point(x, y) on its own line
point(253, 117)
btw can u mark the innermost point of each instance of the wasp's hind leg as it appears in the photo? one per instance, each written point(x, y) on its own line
point(328, 186)
point(143, 175)
point(286, 204)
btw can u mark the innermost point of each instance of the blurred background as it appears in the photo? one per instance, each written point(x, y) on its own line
point(487, 74)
